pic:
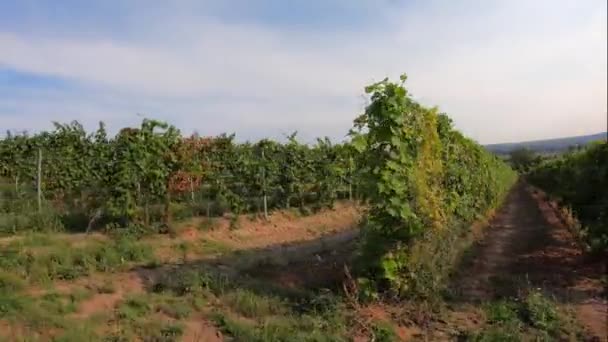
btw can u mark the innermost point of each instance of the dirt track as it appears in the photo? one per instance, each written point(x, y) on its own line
point(528, 246)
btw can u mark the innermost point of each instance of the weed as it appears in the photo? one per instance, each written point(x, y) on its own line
point(504, 312)
point(134, 308)
point(540, 312)
point(212, 247)
point(78, 333)
point(383, 332)
point(59, 262)
point(183, 248)
point(10, 282)
point(174, 307)
point(249, 304)
point(80, 294)
point(107, 286)
point(496, 334)
point(36, 314)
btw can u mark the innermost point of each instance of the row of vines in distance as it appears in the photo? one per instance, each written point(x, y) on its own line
point(144, 175)
point(580, 181)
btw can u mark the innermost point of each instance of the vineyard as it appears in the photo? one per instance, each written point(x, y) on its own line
point(150, 235)
point(575, 179)
point(142, 177)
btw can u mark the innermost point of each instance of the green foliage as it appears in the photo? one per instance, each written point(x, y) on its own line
point(531, 318)
point(144, 176)
point(580, 179)
point(502, 312)
point(419, 176)
point(541, 312)
point(383, 332)
point(251, 305)
point(133, 308)
point(61, 261)
point(523, 160)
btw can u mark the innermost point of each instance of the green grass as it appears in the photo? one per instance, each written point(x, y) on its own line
point(134, 307)
point(502, 312)
point(533, 317)
point(383, 332)
point(43, 312)
point(58, 261)
point(249, 304)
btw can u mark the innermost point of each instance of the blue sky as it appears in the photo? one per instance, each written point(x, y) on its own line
point(503, 70)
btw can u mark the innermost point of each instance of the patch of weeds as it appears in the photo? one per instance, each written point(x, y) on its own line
point(119, 253)
point(535, 317)
point(279, 324)
point(249, 304)
point(190, 281)
point(80, 294)
point(107, 286)
point(10, 282)
point(11, 305)
point(198, 302)
point(158, 331)
point(540, 312)
point(235, 222)
point(78, 333)
point(495, 334)
point(174, 307)
point(206, 246)
point(58, 262)
point(134, 308)
point(37, 314)
point(502, 312)
point(38, 240)
point(119, 336)
point(383, 332)
point(239, 330)
point(57, 303)
point(183, 248)
point(171, 332)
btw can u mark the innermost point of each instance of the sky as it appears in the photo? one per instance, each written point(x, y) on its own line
point(507, 70)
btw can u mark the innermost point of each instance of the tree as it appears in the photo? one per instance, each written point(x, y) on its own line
point(523, 159)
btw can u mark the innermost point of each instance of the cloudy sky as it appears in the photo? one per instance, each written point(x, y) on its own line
point(503, 70)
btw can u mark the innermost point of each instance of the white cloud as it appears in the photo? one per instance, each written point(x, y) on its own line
point(505, 71)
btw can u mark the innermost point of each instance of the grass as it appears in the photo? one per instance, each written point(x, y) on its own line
point(249, 304)
point(58, 261)
point(47, 311)
point(383, 332)
point(533, 317)
point(134, 307)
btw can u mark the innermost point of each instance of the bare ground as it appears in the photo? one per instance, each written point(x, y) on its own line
point(528, 246)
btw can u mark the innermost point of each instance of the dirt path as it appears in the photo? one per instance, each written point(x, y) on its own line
point(528, 246)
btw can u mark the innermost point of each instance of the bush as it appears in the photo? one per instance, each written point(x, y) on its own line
point(580, 180)
point(420, 178)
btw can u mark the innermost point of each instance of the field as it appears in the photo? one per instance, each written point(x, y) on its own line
point(408, 231)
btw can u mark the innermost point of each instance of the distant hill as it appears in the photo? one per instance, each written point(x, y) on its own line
point(547, 146)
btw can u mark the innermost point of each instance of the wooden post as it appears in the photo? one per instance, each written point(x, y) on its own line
point(39, 180)
point(264, 199)
point(209, 205)
point(350, 180)
point(191, 189)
